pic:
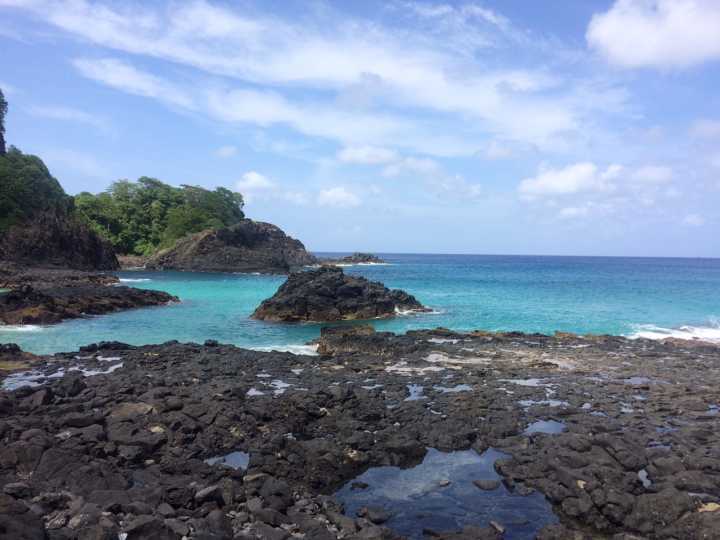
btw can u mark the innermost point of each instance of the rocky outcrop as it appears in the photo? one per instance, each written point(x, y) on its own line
point(28, 305)
point(13, 277)
point(327, 294)
point(356, 258)
point(53, 239)
point(248, 246)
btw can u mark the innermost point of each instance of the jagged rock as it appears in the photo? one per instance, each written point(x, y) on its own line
point(48, 306)
point(327, 294)
point(248, 246)
point(356, 258)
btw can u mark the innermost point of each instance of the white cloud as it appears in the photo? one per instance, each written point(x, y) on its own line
point(125, 77)
point(412, 165)
point(370, 155)
point(653, 174)
point(694, 220)
point(253, 181)
point(657, 33)
point(706, 128)
point(576, 178)
point(226, 151)
point(571, 212)
point(339, 197)
point(496, 150)
point(71, 115)
point(415, 72)
point(7, 88)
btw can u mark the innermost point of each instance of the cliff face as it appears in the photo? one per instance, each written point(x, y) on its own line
point(248, 246)
point(38, 222)
point(58, 240)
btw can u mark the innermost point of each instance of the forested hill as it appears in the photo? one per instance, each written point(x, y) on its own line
point(141, 217)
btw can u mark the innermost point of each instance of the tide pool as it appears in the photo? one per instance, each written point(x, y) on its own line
point(627, 296)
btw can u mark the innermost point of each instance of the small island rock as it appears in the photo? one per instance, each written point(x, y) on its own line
point(327, 294)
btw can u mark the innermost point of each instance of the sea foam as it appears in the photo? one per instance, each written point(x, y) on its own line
point(709, 333)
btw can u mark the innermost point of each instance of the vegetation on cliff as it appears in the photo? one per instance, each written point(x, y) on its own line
point(27, 188)
point(140, 217)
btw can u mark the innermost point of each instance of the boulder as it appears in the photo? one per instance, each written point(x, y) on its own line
point(248, 246)
point(327, 294)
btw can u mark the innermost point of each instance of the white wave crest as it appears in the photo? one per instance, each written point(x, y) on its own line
point(134, 280)
point(309, 350)
point(709, 333)
point(20, 328)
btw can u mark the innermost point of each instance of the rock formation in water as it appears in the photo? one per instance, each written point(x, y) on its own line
point(249, 246)
point(328, 294)
point(355, 258)
point(28, 305)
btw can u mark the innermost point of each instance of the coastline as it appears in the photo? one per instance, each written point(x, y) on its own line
point(304, 420)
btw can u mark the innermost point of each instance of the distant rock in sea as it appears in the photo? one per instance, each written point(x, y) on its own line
point(327, 294)
point(248, 246)
point(356, 258)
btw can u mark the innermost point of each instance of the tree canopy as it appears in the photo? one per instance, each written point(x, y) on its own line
point(27, 188)
point(140, 217)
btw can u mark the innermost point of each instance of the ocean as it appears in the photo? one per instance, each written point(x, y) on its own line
point(636, 297)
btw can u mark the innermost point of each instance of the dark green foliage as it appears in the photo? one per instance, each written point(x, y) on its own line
point(141, 217)
point(27, 188)
point(3, 112)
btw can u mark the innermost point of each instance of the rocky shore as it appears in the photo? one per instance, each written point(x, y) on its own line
point(618, 438)
point(49, 296)
point(355, 258)
point(327, 294)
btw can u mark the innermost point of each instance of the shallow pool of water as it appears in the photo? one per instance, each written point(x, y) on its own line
point(234, 460)
point(551, 427)
point(421, 497)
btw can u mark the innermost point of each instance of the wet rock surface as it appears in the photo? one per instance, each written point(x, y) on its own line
point(327, 295)
point(113, 439)
point(30, 305)
point(13, 277)
point(249, 246)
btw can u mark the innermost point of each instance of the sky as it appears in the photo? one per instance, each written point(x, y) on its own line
point(503, 127)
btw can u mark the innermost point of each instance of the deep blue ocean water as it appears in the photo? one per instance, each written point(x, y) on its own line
point(628, 296)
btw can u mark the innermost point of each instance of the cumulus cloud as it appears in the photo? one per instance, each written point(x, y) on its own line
point(253, 182)
point(369, 155)
point(576, 178)
point(226, 151)
point(657, 33)
point(255, 186)
point(338, 197)
point(411, 165)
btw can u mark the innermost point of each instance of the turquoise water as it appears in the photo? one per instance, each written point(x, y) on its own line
point(628, 296)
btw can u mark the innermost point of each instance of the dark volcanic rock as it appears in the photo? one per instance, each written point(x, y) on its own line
point(356, 258)
point(327, 294)
point(125, 450)
point(13, 277)
point(57, 239)
point(27, 305)
point(248, 246)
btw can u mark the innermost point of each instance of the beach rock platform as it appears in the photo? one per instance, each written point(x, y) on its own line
point(619, 438)
point(49, 305)
point(248, 246)
point(328, 294)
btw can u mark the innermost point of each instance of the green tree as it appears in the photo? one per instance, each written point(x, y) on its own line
point(3, 112)
point(141, 217)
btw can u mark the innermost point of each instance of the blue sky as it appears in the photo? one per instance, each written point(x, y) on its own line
point(557, 127)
